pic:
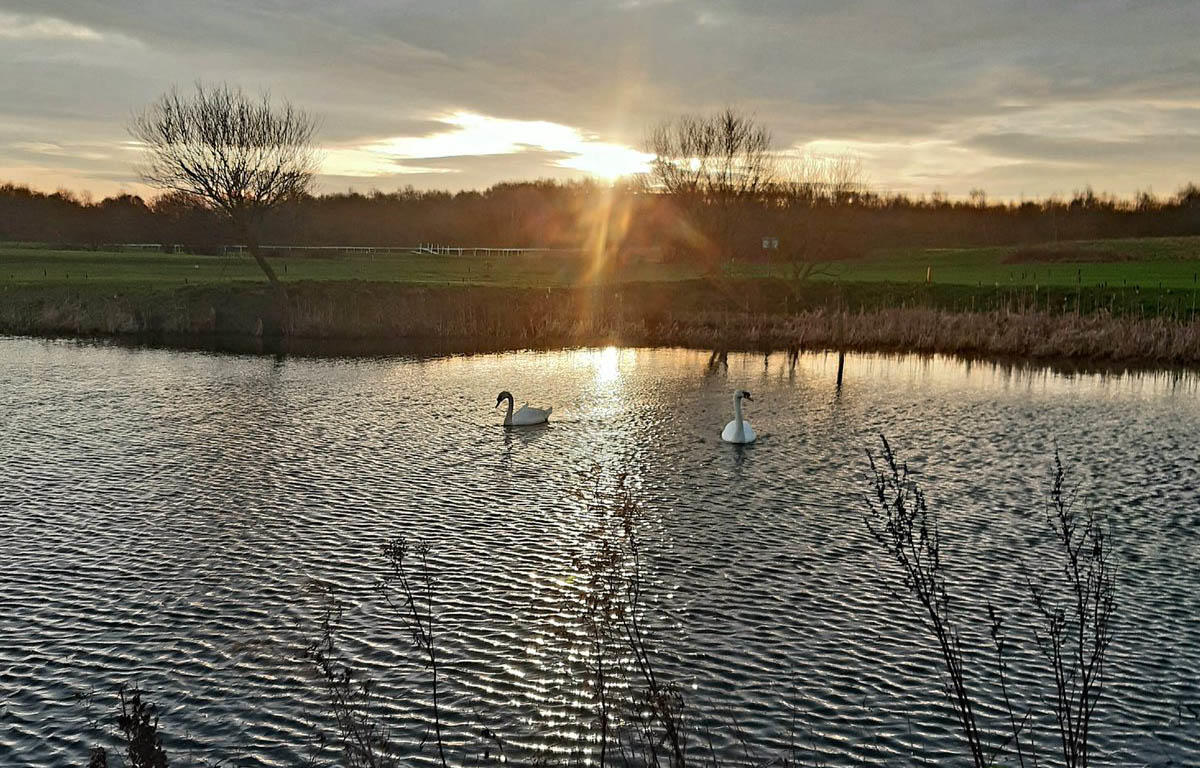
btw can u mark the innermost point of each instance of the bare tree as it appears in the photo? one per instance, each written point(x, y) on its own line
point(806, 196)
point(711, 165)
point(237, 154)
point(715, 157)
point(809, 179)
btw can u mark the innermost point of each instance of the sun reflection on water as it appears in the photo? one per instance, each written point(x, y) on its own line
point(607, 363)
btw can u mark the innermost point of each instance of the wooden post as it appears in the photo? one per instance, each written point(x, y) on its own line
point(841, 367)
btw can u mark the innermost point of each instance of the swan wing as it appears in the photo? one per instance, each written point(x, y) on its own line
point(529, 415)
point(730, 433)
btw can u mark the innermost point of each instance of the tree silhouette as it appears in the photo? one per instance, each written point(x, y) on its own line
point(239, 155)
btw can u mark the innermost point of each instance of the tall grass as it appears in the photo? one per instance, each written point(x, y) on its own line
point(343, 318)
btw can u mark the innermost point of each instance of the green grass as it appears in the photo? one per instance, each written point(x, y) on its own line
point(1148, 264)
point(976, 303)
point(24, 265)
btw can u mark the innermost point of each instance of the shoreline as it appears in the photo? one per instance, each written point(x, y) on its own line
point(425, 349)
point(372, 319)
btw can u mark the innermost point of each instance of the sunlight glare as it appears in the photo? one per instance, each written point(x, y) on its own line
point(608, 365)
point(608, 161)
point(469, 134)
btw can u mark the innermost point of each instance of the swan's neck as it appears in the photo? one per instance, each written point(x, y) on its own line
point(508, 416)
point(737, 411)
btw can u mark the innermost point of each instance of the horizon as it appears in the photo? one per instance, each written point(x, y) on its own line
point(1028, 104)
point(1184, 193)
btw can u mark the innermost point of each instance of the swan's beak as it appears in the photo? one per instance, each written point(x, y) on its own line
point(747, 397)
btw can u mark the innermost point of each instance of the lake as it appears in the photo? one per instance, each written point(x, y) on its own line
point(174, 519)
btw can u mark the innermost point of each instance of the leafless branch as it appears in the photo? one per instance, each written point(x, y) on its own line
point(238, 154)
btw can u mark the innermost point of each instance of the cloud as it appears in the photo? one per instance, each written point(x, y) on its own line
point(464, 172)
point(16, 26)
point(364, 163)
point(921, 85)
point(467, 134)
point(57, 150)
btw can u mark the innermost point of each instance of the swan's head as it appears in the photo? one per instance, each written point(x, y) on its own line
point(743, 394)
point(505, 395)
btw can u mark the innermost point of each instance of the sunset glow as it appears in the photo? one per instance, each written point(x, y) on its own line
point(1040, 103)
point(468, 134)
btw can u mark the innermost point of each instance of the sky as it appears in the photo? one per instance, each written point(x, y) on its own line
point(1020, 98)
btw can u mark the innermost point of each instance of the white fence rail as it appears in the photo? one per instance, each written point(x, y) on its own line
point(433, 249)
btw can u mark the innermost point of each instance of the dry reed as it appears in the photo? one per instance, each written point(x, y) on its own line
point(393, 318)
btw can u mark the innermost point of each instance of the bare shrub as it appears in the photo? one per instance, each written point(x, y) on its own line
point(364, 740)
point(649, 726)
point(137, 731)
point(901, 522)
point(410, 596)
point(1076, 626)
point(710, 166)
point(1074, 604)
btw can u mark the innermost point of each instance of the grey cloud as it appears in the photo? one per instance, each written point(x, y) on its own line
point(871, 70)
point(1145, 151)
point(473, 172)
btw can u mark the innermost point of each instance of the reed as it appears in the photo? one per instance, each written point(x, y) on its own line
point(762, 316)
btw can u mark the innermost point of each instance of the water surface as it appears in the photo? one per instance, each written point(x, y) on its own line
point(173, 518)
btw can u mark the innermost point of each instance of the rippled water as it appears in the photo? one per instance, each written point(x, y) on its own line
point(167, 517)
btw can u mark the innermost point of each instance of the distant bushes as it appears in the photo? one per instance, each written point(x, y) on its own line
point(586, 214)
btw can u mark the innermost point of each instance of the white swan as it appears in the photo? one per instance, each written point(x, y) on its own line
point(739, 430)
point(523, 417)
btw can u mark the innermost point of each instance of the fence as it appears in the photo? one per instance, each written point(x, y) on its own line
point(423, 248)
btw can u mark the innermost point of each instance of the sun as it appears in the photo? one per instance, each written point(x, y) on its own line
point(607, 161)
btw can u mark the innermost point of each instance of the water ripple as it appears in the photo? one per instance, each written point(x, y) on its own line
point(167, 518)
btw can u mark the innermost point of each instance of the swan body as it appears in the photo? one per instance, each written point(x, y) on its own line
point(525, 416)
point(739, 430)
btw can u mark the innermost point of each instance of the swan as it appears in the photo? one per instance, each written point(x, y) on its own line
point(739, 430)
point(523, 417)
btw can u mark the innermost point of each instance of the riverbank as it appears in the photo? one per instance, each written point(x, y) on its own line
point(355, 318)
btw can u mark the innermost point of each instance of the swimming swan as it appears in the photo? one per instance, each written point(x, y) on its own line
point(523, 417)
point(739, 430)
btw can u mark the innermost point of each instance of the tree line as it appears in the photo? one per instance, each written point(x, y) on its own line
point(548, 213)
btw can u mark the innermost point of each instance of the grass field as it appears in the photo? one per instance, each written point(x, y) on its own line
point(1127, 301)
point(25, 265)
point(1147, 263)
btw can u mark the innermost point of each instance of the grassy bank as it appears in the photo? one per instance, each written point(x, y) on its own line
point(1124, 301)
point(352, 317)
point(1148, 265)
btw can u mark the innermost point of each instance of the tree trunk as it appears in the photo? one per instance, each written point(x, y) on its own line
point(252, 246)
point(283, 311)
